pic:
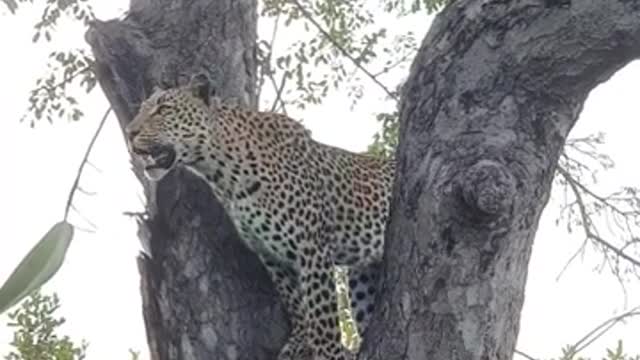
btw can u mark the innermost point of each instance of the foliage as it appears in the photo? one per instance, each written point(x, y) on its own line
point(51, 97)
point(340, 43)
point(338, 34)
point(616, 353)
point(568, 353)
point(340, 38)
point(36, 332)
point(36, 335)
point(412, 6)
point(385, 141)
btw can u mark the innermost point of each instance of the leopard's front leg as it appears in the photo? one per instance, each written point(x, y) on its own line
point(286, 281)
point(321, 303)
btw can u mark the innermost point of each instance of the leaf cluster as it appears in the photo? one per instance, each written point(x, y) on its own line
point(36, 332)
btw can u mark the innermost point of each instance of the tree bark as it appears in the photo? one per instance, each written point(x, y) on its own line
point(494, 91)
point(205, 296)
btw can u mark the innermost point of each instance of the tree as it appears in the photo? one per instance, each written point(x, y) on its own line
point(466, 204)
point(490, 100)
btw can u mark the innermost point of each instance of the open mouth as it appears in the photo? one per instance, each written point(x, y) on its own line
point(157, 157)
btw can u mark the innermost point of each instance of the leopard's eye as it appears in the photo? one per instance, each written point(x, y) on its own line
point(161, 107)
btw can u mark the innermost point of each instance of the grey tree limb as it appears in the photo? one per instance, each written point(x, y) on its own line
point(494, 91)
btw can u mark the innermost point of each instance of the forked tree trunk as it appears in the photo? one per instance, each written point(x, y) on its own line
point(490, 99)
point(204, 295)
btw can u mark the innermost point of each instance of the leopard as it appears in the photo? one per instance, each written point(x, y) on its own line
point(302, 206)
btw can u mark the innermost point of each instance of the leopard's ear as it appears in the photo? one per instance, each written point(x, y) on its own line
point(200, 86)
point(150, 89)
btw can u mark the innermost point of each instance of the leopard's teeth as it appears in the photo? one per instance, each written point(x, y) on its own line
point(149, 160)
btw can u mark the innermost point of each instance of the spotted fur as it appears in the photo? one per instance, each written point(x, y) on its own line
point(302, 206)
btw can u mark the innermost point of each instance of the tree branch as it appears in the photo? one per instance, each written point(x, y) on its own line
point(500, 81)
point(85, 158)
point(524, 355)
point(599, 331)
point(406, 57)
point(278, 90)
point(576, 187)
point(344, 52)
point(62, 82)
point(265, 66)
point(591, 336)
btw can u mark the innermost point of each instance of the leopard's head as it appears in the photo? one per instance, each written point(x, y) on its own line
point(171, 127)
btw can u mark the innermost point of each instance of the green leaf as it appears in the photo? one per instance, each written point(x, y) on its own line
point(42, 262)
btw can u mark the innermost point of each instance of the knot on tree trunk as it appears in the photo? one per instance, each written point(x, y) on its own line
point(488, 187)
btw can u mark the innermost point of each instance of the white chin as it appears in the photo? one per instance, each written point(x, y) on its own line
point(155, 174)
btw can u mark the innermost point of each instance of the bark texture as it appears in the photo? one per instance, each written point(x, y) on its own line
point(494, 91)
point(204, 295)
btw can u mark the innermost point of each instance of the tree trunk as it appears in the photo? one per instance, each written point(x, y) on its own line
point(204, 295)
point(490, 99)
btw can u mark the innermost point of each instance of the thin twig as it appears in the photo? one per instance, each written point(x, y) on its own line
point(86, 219)
point(388, 68)
point(592, 335)
point(266, 65)
point(62, 82)
point(97, 169)
point(573, 184)
point(83, 229)
point(74, 187)
point(524, 355)
point(135, 214)
point(572, 258)
point(344, 52)
point(85, 192)
point(630, 242)
point(278, 90)
point(588, 191)
point(599, 331)
point(613, 248)
point(274, 32)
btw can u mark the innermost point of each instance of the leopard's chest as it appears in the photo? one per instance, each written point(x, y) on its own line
point(257, 229)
